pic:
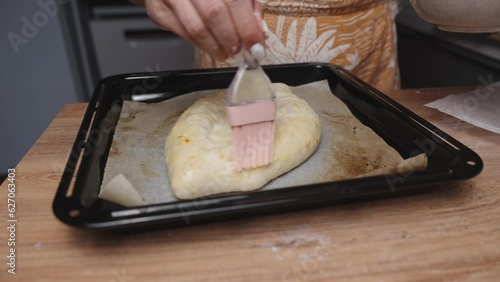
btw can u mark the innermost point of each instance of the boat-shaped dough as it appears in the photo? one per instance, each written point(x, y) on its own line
point(198, 149)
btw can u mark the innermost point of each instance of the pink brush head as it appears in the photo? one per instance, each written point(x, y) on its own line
point(253, 134)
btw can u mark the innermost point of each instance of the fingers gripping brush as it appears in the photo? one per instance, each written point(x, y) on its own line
point(251, 109)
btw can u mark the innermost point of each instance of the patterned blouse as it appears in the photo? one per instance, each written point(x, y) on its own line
point(359, 35)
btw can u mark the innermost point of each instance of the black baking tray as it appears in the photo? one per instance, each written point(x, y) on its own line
point(77, 204)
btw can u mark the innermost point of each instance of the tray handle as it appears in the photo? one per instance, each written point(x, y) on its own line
point(65, 207)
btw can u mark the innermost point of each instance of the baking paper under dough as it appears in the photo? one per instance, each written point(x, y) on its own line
point(348, 149)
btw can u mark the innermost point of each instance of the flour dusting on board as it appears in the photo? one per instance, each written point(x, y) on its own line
point(282, 246)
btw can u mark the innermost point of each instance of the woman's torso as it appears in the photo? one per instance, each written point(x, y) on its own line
point(357, 34)
point(318, 7)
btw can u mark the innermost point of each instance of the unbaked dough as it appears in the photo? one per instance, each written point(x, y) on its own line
point(198, 149)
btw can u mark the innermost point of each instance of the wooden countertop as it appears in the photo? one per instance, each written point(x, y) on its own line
point(449, 234)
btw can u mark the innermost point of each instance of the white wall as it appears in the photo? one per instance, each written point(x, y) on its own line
point(34, 83)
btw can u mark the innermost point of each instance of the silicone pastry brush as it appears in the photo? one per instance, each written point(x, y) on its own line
point(251, 109)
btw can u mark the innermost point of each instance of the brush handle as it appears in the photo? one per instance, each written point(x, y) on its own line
point(251, 63)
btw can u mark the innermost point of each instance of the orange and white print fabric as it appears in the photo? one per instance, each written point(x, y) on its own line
point(359, 35)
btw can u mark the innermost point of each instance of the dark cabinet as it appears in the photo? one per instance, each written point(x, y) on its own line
point(429, 57)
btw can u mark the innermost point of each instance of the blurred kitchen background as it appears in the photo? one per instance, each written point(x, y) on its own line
point(65, 52)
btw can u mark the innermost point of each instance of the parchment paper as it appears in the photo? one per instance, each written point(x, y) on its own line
point(347, 149)
point(480, 107)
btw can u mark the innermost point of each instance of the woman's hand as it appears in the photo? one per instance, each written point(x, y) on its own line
point(220, 27)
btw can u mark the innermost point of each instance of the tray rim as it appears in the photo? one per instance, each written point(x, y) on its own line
point(158, 213)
